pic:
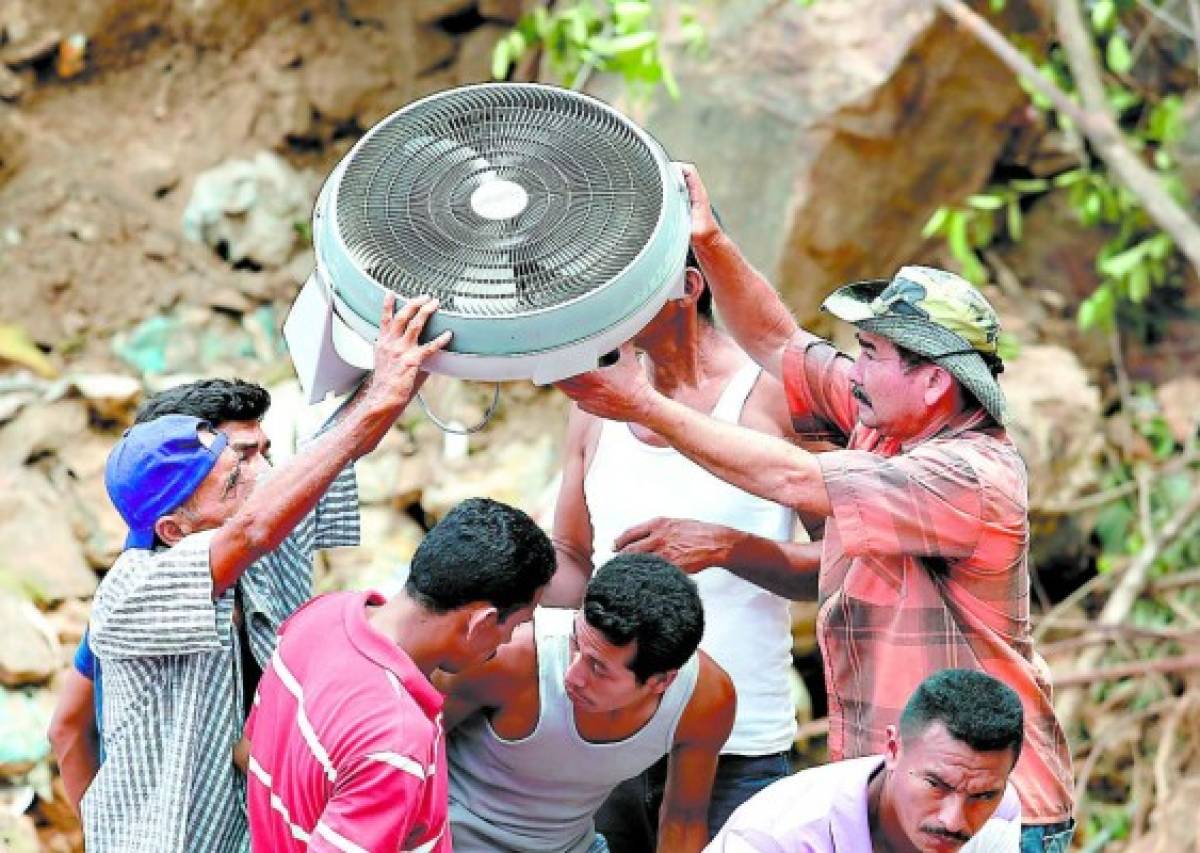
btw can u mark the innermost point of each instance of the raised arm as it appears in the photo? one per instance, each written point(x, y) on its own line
point(749, 306)
point(572, 520)
point(699, 737)
point(762, 465)
point(275, 507)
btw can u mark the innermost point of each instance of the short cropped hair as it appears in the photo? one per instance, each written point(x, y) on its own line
point(977, 709)
point(643, 598)
point(212, 400)
point(482, 550)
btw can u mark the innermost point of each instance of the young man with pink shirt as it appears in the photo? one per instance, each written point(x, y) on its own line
point(347, 751)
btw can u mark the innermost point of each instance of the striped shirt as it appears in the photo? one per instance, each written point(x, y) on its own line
point(173, 683)
point(346, 745)
point(925, 566)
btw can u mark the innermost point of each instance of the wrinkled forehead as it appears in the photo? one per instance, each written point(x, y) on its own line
point(934, 751)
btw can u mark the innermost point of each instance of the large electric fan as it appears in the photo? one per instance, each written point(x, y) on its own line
point(550, 228)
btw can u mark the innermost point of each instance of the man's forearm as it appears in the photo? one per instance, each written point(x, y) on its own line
point(789, 569)
point(760, 464)
point(78, 762)
point(281, 501)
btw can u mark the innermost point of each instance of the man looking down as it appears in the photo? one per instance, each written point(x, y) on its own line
point(578, 702)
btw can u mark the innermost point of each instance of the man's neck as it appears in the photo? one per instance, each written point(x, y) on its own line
point(413, 628)
point(619, 724)
point(678, 365)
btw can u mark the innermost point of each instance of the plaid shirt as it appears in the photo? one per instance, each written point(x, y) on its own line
point(924, 567)
point(173, 683)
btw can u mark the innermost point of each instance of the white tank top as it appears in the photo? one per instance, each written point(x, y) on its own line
point(539, 793)
point(747, 629)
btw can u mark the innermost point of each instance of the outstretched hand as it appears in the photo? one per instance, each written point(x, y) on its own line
point(616, 393)
point(398, 354)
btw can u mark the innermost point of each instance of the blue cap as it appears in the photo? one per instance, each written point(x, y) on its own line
point(154, 468)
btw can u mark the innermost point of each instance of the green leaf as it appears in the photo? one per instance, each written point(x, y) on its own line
point(626, 44)
point(501, 59)
point(1117, 56)
point(1139, 284)
point(1013, 212)
point(1121, 265)
point(956, 237)
point(669, 82)
point(541, 22)
point(1027, 186)
point(985, 202)
point(630, 15)
point(936, 223)
point(1104, 15)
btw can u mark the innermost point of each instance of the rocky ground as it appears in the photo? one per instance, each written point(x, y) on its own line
point(158, 163)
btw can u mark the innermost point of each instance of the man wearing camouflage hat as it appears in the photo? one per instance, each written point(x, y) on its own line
point(924, 564)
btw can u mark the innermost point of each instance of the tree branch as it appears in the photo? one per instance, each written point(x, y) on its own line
point(1094, 118)
point(1120, 603)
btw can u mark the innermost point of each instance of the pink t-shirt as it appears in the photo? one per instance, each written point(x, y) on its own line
point(347, 751)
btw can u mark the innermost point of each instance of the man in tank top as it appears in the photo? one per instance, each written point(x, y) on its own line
point(624, 490)
point(577, 702)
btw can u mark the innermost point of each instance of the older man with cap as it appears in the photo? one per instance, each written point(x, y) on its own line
point(924, 564)
point(164, 621)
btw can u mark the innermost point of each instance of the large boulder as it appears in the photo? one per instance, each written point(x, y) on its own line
point(828, 134)
point(250, 210)
point(29, 652)
point(39, 555)
point(1056, 421)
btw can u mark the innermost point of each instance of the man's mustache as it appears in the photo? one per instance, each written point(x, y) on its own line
point(954, 836)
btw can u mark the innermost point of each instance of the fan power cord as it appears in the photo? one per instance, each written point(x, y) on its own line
point(445, 427)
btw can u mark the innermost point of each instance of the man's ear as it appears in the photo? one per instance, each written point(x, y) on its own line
point(891, 749)
point(693, 286)
point(484, 619)
point(171, 528)
point(660, 682)
point(939, 383)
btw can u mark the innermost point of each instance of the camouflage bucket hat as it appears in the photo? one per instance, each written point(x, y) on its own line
point(933, 313)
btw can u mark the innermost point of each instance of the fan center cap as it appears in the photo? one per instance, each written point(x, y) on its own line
point(499, 199)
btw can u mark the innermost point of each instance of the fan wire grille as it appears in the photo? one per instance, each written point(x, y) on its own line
point(593, 188)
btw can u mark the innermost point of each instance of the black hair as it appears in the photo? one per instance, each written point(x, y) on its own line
point(212, 400)
point(644, 598)
point(482, 550)
point(977, 709)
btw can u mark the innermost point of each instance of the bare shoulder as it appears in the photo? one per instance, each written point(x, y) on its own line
point(710, 711)
point(494, 682)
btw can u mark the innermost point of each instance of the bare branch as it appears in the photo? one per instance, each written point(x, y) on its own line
point(1129, 587)
point(1093, 118)
point(1194, 12)
point(1181, 663)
